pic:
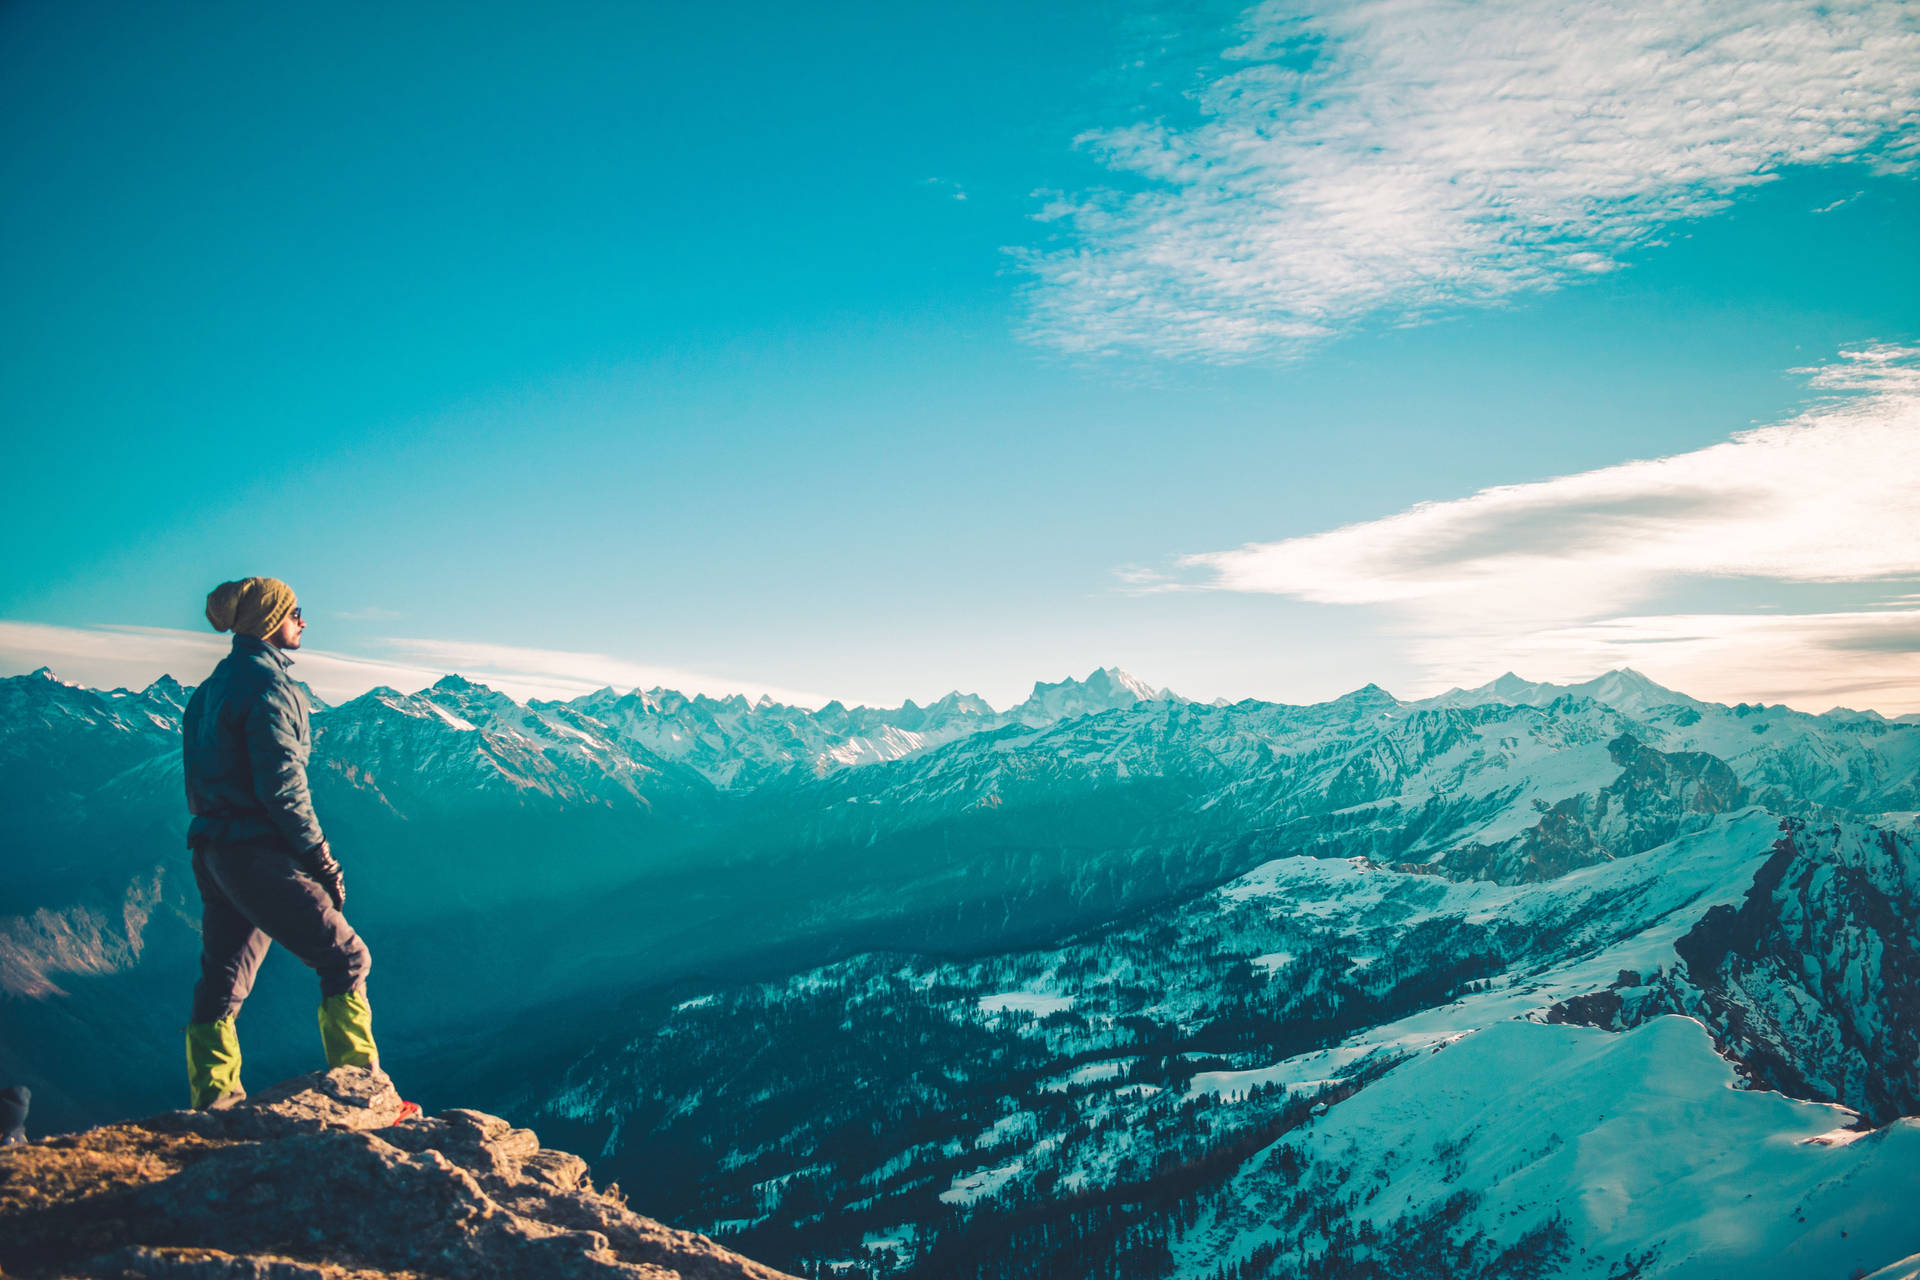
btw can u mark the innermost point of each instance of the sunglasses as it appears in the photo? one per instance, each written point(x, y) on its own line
point(295, 615)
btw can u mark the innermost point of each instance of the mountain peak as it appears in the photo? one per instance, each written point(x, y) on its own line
point(1104, 680)
point(1116, 679)
point(1629, 690)
point(167, 691)
point(1369, 695)
point(1623, 689)
point(958, 703)
point(1104, 689)
point(457, 690)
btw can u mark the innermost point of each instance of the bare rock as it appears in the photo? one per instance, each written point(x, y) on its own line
point(313, 1180)
point(344, 1098)
point(142, 1263)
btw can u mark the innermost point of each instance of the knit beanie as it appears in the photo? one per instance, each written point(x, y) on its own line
point(250, 607)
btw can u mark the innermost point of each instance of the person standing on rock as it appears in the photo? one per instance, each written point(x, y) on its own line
point(264, 869)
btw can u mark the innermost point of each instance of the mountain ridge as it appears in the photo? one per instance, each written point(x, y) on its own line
point(1070, 924)
point(733, 742)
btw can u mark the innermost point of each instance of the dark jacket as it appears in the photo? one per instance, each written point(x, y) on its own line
point(246, 744)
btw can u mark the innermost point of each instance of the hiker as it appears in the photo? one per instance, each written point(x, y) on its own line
point(13, 1115)
point(264, 869)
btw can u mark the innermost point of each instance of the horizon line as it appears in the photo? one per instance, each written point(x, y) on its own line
point(1161, 695)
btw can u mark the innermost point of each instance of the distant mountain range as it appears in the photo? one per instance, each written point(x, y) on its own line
point(1111, 980)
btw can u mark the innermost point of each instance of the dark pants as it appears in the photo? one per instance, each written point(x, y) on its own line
point(253, 896)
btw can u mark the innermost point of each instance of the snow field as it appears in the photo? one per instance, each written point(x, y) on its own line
point(1636, 1139)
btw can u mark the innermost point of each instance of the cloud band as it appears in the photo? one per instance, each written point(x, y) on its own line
point(1402, 157)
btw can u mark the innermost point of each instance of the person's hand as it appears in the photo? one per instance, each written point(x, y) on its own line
point(327, 872)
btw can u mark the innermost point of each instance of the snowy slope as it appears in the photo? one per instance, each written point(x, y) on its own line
point(1809, 980)
point(1856, 761)
point(738, 744)
point(1624, 689)
point(456, 745)
point(1578, 1148)
point(1256, 907)
point(1118, 1066)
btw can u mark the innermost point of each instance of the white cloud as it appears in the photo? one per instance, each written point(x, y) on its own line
point(1554, 578)
point(1398, 157)
point(133, 657)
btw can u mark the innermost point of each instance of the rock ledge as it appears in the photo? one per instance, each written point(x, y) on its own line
point(313, 1180)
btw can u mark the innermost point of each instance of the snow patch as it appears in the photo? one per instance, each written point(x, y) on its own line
point(1039, 1003)
point(985, 1182)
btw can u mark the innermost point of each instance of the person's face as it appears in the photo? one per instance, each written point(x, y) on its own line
point(288, 636)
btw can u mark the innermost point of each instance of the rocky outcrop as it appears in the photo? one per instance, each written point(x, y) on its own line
point(315, 1180)
point(1658, 796)
point(1812, 982)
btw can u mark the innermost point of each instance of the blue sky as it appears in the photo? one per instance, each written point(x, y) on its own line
point(871, 352)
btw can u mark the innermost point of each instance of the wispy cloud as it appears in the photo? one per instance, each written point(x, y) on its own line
point(1399, 157)
point(1555, 578)
point(1144, 580)
point(133, 657)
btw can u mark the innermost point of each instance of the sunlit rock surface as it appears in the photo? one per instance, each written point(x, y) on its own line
point(315, 1179)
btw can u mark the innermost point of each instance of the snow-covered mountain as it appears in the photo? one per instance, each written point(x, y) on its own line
point(735, 743)
point(607, 746)
point(950, 822)
point(1809, 981)
point(456, 740)
point(1525, 1149)
point(1324, 1068)
point(1110, 982)
point(61, 739)
point(1107, 689)
point(1624, 689)
point(1793, 756)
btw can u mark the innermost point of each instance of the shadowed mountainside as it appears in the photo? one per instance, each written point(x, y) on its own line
point(1032, 999)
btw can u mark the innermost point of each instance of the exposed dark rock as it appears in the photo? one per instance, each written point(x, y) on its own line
point(1658, 796)
point(314, 1180)
point(1812, 983)
point(1596, 1009)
